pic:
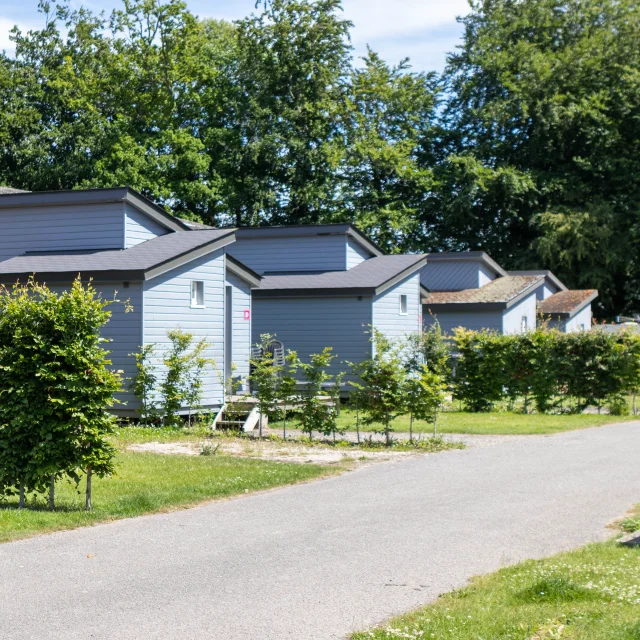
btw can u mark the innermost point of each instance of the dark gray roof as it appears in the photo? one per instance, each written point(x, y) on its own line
point(549, 275)
point(370, 277)
point(478, 256)
point(8, 190)
point(341, 229)
point(195, 226)
point(143, 261)
point(15, 199)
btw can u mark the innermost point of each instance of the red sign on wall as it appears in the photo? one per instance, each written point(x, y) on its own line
point(247, 314)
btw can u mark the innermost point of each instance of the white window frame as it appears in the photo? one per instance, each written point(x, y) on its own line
point(195, 285)
point(524, 323)
point(403, 298)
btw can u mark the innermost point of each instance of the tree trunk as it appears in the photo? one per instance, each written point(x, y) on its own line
point(411, 428)
point(435, 424)
point(357, 422)
point(21, 498)
point(87, 504)
point(284, 423)
point(52, 493)
point(260, 425)
point(386, 429)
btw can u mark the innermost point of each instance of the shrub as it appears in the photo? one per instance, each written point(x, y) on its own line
point(55, 388)
point(315, 413)
point(381, 383)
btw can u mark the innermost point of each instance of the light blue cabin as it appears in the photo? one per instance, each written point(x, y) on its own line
point(470, 290)
point(172, 275)
point(327, 286)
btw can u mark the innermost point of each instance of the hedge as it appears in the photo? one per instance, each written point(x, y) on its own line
point(547, 369)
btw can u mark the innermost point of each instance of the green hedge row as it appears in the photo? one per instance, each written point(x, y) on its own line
point(548, 370)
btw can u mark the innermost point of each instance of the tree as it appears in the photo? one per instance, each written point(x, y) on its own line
point(265, 378)
point(389, 117)
point(184, 363)
point(56, 386)
point(540, 157)
point(424, 395)
point(316, 413)
point(381, 383)
point(143, 385)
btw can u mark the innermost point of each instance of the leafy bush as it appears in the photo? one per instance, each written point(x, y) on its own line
point(381, 382)
point(589, 368)
point(55, 388)
point(315, 413)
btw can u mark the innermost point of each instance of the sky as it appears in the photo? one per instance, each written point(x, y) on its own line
point(423, 30)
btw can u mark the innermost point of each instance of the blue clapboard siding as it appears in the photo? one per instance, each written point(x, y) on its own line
point(241, 346)
point(355, 253)
point(124, 332)
point(314, 253)
point(138, 227)
point(485, 274)
point(307, 325)
point(580, 322)
point(167, 305)
point(453, 275)
point(473, 320)
point(58, 228)
point(386, 309)
point(512, 319)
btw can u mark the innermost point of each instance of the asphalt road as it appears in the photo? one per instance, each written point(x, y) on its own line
point(317, 561)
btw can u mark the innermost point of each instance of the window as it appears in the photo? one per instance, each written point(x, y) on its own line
point(403, 305)
point(197, 293)
point(580, 327)
point(523, 323)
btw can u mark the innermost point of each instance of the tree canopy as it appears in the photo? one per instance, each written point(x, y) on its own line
point(526, 146)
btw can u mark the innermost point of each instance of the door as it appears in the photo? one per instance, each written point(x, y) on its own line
point(228, 333)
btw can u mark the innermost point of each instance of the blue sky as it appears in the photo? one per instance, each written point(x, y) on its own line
point(424, 30)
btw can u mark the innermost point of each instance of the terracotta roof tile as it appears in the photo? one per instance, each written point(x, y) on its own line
point(498, 290)
point(567, 301)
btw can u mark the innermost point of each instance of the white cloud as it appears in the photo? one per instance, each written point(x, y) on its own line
point(375, 19)
point(5, 28)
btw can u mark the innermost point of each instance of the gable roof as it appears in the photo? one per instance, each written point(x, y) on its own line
point(340, 229)
point(13, 199)
point(549, 275)
point(474, 256)
point(242, 271)
point(567, 303)
point(500, 293)
point(371, 277)
point(140, 262)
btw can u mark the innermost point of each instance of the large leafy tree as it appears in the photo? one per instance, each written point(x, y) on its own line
point(389, 118)
point(541, 160)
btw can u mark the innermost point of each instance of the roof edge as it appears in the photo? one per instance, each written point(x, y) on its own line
point(191, 254)
point(472, 256)
point(542, 272)
point(402, 275)
point(93, 196)
point(242, 271)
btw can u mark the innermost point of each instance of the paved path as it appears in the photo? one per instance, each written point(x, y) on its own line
point(315, 561)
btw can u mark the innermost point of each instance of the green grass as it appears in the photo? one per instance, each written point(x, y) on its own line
point(589, 594)
point(496, 423)
point(148, 483)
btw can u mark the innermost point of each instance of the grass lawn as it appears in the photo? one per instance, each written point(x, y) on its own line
point(589, 594)
point(497, 423)
point(147, 483)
